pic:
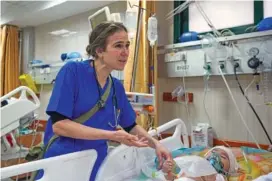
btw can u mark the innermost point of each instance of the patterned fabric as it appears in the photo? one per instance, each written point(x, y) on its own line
point(253, 163)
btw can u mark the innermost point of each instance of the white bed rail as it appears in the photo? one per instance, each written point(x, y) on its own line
point(70, 167)
point(174, 141)
point(17, 108)
point(121, 162)
point(23, 90)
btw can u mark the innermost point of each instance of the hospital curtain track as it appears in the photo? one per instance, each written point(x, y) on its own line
point(9, 58)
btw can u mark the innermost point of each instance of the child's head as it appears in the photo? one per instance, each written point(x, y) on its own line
point(222, 159)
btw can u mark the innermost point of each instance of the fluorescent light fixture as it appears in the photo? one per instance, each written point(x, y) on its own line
point(59, 32)
point(68, 34)
point(73, 32)
point(65, 35)
point(51, 4)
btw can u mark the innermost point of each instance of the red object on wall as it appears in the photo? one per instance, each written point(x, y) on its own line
point(9, 139)
point(168, 97)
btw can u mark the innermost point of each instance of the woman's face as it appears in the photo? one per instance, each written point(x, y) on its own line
point(224, 158)
point(116, 51)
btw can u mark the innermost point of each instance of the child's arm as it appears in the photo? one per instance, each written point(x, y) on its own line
point(167, 168)
point(170, 176)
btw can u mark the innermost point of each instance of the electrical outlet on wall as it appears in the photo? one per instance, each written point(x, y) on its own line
point(182, 56)
point(208, 66)
point(222, 65)
point(237, 62)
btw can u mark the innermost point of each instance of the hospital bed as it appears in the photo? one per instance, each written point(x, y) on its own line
point(16, 113)
point(123, 162)
point(120, 164)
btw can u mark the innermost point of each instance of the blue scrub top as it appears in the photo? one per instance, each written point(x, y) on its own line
point(75, 92)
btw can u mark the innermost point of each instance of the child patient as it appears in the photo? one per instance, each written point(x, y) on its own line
point(218, 163)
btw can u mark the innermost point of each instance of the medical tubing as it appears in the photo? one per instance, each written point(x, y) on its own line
point(240, 114)
point(38, 122)
point(208, 21)
point(206, 111)
point(250, 84)
point(186, 99)
point(204, 99)
point(249, 103)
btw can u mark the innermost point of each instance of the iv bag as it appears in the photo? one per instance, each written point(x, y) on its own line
point(178, 92)
point(152, 33)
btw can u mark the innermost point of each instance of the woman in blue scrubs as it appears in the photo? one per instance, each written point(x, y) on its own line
point(79, 86)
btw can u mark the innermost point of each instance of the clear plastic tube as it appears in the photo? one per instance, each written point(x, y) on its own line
point(267, 87)
point(240, 114)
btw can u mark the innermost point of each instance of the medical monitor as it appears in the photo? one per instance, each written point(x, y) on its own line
point(99, 17)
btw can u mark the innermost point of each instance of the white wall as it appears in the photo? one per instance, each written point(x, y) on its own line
point(267, 8)
point(49, 48)
point(165, 27)
point(224, 117)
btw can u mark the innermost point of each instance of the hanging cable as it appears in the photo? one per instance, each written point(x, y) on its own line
point(240, 114)
point(249, 103)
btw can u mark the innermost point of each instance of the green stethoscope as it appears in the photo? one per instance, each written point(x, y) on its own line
point(102, 103)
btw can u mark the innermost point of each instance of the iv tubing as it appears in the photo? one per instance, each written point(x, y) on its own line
point(240, 114)
point(249, 103)
point(186, 98)
point(249, 85)
point(204, 98)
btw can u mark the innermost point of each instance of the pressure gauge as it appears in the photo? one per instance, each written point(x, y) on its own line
point(253, 52)
point(253, 62)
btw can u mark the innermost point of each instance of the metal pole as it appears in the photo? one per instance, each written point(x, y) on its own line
point(135, 63)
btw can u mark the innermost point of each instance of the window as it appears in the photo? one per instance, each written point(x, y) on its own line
point(233, 15)
point(267, 8)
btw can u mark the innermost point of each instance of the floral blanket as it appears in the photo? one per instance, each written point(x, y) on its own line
point(253, 162)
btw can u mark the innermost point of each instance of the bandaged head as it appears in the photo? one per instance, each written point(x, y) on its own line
point(223, 160)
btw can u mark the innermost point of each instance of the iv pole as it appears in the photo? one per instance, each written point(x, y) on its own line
point(135, 62)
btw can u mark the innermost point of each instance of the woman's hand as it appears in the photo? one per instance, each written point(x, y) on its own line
point(140, 143)
point(128, 139)
point(162, 153)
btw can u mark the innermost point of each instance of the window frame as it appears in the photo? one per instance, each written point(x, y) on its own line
point(181, 21)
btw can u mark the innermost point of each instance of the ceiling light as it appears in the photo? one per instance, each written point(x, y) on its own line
point(65, 35)
point(59, 32)
point(68, 34)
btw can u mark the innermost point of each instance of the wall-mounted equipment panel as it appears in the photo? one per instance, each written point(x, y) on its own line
point(46, 73)
point(252, 53)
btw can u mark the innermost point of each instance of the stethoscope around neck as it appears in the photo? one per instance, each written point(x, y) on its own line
point(102, 103)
